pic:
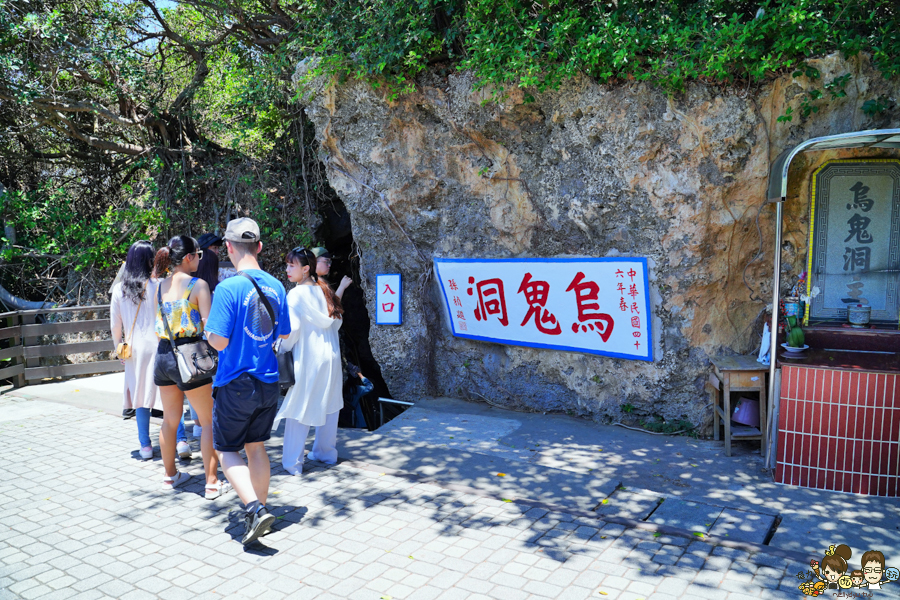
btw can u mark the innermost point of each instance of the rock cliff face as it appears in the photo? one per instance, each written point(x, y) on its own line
point(587, 170)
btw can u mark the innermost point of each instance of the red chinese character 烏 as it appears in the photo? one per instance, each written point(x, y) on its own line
point(491, 300)
point(387, 307)
point(536, 293)
point(585, 292)
point(388, 290)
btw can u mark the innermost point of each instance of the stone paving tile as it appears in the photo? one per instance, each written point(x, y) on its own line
point(81, 527)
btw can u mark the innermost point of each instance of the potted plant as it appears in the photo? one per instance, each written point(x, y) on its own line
point(795, 339)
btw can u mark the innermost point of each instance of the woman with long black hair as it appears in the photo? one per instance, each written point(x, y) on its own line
point(183, 300)
point(316, 397)
point(132, 320)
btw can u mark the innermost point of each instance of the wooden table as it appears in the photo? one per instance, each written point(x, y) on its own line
point(737, 374)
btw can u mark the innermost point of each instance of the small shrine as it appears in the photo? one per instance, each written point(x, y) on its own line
point(834, 401)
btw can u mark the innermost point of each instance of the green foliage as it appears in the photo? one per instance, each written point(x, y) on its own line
point(46, 225)
point(627, 408)
point(875, 107)
point(539, 44)
point(680, 426)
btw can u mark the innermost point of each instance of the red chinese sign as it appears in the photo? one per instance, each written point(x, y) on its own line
point(597, 306)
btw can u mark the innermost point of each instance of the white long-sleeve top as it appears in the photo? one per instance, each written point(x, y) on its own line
point(316, 392)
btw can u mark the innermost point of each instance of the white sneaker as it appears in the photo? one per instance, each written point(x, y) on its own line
point(184, 450)
point(147, 452)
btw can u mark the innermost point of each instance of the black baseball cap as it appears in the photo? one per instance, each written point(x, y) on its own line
point(209, 239)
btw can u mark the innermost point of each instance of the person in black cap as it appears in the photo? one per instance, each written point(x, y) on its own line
point(211, 241)
point(209, 263)
point(323, 267)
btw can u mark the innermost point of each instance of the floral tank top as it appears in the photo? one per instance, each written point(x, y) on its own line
point(183, 316)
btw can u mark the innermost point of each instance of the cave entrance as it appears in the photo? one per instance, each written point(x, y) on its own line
point(336, 235)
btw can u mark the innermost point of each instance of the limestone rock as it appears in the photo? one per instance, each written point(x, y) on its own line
point(586, 170)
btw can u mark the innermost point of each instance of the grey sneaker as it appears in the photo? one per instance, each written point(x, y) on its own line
point(258, 525)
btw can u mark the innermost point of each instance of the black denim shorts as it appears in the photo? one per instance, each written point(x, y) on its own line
point(165, 372)
point(243, 412)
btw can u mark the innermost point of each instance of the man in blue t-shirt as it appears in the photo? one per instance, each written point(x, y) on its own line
point(242, 328)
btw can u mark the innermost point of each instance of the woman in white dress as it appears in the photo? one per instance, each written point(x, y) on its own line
point(132, 320)
point(316, 398)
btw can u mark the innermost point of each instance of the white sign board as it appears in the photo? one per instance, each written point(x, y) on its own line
point(388, 307)
point(592, 305)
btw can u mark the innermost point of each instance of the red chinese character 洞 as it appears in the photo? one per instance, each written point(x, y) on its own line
point(491, 300)
point(387, 307)
point(536, 295)
point(388, 290)
point(633, 291)
point(635, 321)
point(452, 285)
point(457, 301)
point(585, 292)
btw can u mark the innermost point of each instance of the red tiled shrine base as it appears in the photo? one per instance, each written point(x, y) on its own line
point(839, 430)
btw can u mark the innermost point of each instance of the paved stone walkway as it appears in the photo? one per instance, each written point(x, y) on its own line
point(81, 517)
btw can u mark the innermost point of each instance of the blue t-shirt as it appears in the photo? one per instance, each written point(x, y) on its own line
point(238, 314)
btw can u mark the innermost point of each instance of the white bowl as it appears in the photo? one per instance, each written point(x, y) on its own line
point(793, 350)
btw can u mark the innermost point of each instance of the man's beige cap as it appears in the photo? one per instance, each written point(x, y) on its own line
point(243, 229)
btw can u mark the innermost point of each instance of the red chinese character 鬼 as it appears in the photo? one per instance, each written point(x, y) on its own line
point(536, 295)
point(585, 292)
point(491, 300)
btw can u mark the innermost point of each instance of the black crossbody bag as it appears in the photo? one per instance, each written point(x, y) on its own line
point(285, 359)
point(196, 361)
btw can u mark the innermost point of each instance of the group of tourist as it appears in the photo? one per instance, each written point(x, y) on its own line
point(161, 304)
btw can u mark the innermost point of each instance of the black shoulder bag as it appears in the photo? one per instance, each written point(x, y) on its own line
point(196, 361)
point(285, 359)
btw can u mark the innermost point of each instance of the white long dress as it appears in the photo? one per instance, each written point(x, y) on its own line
point(316, 392)
point(140, 391)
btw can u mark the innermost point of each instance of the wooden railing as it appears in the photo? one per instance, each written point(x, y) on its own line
point(21, 361)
